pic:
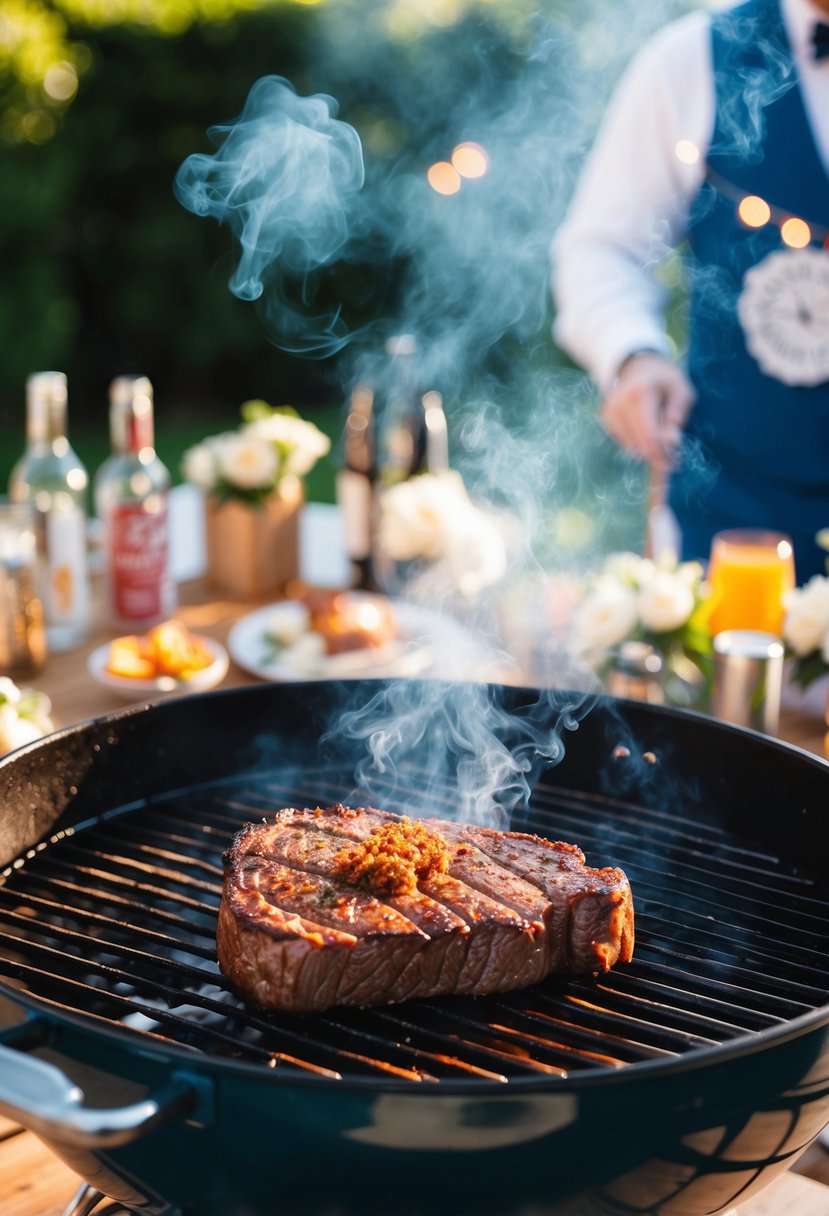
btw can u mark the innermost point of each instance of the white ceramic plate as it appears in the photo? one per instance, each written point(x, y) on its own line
point(142, 690)
point(424, 637)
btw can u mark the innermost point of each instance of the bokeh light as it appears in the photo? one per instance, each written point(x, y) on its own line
point(796, 233)
point(444, 178)
point(687, 151)
point(61, 81)
point(754, 211)
point(470, 160)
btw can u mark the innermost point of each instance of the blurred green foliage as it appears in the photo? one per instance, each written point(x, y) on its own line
point(104, 273)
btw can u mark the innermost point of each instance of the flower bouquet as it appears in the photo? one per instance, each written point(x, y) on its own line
point(432, 540)
point(665, 605)
point(806, 630)
point(24, 715)
point(252, 478)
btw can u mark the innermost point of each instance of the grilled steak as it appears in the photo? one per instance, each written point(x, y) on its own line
point(348, 906)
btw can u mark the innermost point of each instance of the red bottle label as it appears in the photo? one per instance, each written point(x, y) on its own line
point(139, 560)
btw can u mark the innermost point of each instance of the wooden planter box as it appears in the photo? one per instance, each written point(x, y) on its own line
point(252, 552)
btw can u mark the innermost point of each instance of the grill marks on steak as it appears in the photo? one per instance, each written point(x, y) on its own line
point(293, 935)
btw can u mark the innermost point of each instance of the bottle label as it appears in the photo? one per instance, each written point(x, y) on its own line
point(66, 590)
point(354, 497)
point(139, 559)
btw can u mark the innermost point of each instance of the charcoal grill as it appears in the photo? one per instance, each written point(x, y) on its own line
point(677, 1084)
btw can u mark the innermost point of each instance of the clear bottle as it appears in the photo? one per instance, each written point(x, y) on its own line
point(132, 503)
point(52, 478)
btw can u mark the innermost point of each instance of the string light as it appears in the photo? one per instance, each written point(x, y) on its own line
point(754, 211)
point(470, 160)
point(444, 178)
point(687, 152)
point(796, 233)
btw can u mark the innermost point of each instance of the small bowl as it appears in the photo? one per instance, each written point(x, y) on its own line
point(162, 686)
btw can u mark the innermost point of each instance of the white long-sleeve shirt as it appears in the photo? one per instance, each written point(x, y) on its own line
point(632, 202)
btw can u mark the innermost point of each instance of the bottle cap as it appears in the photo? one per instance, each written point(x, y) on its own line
point(46, 397)
point(131, 413)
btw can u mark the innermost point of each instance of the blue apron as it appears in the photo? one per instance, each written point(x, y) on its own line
point(756, 451)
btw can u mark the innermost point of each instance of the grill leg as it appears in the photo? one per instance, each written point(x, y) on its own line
point(86, 1198)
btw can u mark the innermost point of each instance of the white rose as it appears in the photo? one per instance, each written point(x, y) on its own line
point(415, 518)
point(247, 462)
point(36, 708)
point(665, 602)
point(628, 568)
point(476, 553)
point(198, 466)
point(300, 442)
point(606, 616)
point(806, 623)
point(14, 730)
point(9, 692)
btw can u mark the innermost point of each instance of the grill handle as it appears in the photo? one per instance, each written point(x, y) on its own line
point(41, 1097)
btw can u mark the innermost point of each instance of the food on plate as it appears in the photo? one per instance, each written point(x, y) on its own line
point(168, 649)
point(349, 620)
point(357, 906)
point(303, 632)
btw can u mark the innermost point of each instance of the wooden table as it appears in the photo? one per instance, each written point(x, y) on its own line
point(35, 1183)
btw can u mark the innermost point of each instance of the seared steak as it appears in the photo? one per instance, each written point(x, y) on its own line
point(348, 906)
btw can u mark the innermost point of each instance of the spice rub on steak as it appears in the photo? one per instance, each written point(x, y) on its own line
point(357, 906)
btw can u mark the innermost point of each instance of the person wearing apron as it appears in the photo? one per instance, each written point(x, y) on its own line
point(730, 153)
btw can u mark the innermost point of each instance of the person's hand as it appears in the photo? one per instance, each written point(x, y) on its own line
point(646, 409)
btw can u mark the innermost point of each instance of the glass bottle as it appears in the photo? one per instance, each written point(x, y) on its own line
point(22, 633)
point(52, 478)
point(131, 499)
point(411, 425)
point(394, 430)
point(355, 486)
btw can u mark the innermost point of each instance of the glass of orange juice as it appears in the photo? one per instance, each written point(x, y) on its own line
point(750, 571)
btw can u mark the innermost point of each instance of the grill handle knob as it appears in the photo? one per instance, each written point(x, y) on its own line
point(47, 1102)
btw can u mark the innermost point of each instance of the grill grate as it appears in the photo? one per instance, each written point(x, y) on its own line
point(116, 920)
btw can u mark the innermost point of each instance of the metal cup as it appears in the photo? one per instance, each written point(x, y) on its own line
point(748, 679)
point(22, 631)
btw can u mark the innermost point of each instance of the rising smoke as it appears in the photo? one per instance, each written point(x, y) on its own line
point(304, 194)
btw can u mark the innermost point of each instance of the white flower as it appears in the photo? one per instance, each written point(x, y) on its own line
point(432, 519)
point(476, 554)
point(665, 602)
point(628, 568)
point(300, 443)
point(417, 515)
point(14, 730)
point(9, 692)
point(199, 466)
point(806, 624)
point(263, 454)
point(247, 462)
point(606, 616)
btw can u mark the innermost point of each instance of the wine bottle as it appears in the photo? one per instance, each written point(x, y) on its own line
point(394, 430)
point(53, 480)
point(355, 485)
point(131, 500)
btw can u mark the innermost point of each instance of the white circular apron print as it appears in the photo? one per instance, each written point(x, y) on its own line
point(784, 312)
